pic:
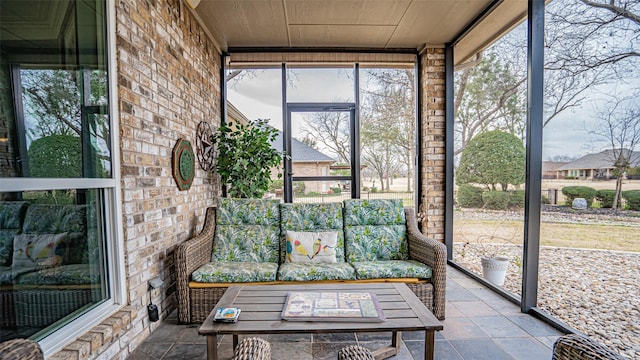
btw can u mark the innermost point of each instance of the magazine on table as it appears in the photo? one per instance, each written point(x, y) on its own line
point(332, 306)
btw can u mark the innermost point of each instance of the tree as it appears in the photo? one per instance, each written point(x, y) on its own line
point(56, 156)
point(388, 123)
point(488, 96)
point(331, 129)
point(619, 127)
point(491, 158)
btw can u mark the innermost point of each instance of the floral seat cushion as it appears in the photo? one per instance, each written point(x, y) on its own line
point(235, 272)
point(73, 274)
point(391, 269)
point(11, 215)
point(375, 230)
point(317, 271)
point(247, 230)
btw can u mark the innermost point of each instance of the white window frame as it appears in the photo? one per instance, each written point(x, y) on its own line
point(114, 233)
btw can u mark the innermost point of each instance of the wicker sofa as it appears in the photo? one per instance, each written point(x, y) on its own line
point(45, 271)
point(250, 241)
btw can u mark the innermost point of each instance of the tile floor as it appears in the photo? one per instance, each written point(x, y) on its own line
point(479, 325)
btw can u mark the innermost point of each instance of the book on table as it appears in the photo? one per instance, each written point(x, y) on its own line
point(332, 306)
point(227, 315)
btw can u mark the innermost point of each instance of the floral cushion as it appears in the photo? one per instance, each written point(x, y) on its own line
point(235, 272)
point(11, 215)
point(391, 269)
point(375, 230)
point(74, 274)
point(246, 243)
point(247, 230)
point(55, 219)
point(31, 250)
point(312, 217)
point(373, 212)
point(312, 272)
point(9, 274)
point(247, 212)
point(311, 247)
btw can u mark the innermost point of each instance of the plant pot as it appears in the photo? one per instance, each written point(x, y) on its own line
point(494, 269)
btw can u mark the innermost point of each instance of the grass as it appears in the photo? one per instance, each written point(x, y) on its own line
point(587, 236)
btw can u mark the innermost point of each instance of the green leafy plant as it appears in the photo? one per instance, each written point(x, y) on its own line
point(573, 192)
point(633, 199)
point(605, 197)
point(246, 157)
point(470, 196)
point(493, 158)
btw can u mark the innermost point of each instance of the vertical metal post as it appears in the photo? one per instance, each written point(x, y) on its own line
point(535, 101)
point(449, 155)
point(355, 135)
point(223, 102)
point(417, 164)
point(286, 138)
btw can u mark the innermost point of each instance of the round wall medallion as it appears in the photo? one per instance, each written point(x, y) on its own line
point(204, 145)
point(183, 164)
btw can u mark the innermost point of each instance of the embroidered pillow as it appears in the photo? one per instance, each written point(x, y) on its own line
point(31, 250)
point(311, 247)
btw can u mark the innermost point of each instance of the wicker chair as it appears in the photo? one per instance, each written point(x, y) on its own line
point(355, 352)
point(23, 349)
point(577, 347)
point(253, 348)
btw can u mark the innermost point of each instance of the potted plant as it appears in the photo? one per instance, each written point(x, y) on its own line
point(246, 157)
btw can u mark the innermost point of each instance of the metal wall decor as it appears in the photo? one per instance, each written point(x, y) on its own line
point(204, 145)
point(183, 164)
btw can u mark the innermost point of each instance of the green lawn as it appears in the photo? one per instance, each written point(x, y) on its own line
point(588, 236)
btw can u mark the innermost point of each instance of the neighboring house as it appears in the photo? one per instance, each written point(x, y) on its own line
point(306, 160)
point(549, 169)
point(594, 166)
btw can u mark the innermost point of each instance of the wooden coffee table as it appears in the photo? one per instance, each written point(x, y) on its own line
point(262, 306)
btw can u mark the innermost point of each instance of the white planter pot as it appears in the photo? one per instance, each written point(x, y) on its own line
point(494, 269)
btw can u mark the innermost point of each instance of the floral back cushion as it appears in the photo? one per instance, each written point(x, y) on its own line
point(312, 218)
point(11, 215)
point(247, 212)
point(375, 230)
point(247, 230)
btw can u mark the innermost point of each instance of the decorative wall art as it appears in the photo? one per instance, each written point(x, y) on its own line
point(204, 146)
point(183, 164)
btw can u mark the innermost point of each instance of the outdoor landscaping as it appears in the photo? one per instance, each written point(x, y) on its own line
point(588, 272)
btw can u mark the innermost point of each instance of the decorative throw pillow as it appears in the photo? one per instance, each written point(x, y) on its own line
point(311, 247)
point(31, 250)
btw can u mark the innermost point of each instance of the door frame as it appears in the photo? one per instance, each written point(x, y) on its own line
point(354, 142)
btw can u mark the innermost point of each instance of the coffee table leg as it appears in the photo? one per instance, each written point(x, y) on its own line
point(235, 343)
point(212, 347)
point(429, 345)
point(396, 340)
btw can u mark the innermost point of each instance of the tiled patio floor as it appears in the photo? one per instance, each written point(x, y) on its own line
point(479, 325)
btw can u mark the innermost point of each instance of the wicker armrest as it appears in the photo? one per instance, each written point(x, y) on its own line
point(577, 347)
point(23, 349)
point(433, 253)
point(190, 255)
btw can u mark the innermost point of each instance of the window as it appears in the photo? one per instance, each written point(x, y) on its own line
point(56, 161)
point(326, 104)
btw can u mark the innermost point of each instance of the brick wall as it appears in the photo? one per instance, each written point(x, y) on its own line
point(168, 81)
point(433, 147)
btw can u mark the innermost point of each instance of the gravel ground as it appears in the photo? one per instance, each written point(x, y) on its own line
point(594, 291)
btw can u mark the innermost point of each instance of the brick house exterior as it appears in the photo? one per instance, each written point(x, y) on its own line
point(168, 80)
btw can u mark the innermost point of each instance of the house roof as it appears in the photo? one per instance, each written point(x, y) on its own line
point(552, 165)
point(301, 152)
point(602, 160)
point(355, 24)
